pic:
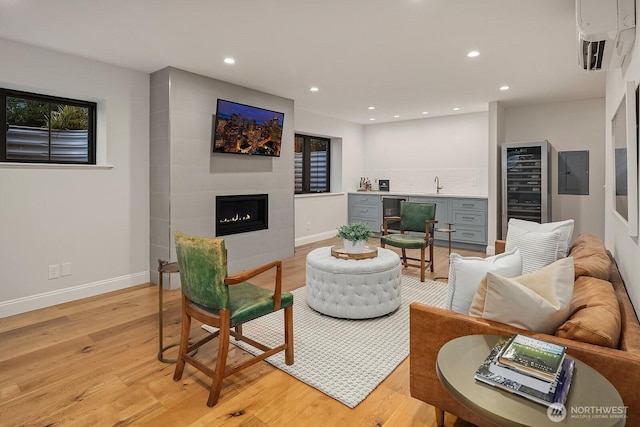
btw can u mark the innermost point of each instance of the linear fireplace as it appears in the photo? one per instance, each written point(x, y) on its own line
point(241, 214)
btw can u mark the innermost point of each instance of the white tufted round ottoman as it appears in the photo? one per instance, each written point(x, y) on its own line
point(353, 289)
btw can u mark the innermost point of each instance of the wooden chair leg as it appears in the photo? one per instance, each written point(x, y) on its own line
point(238, 329)
point(439, 417)
point(184, 344)
point(422, 264)
point(288, 335)
point(431, 257)
point(221, 363)
point(404, 257)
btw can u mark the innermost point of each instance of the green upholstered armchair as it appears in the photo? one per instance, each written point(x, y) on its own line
point(417, 218)
point(216, 299)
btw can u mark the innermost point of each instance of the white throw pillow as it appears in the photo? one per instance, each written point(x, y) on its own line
point(538, 301)
point(565, 228)
point(538, 248)
point(466, 273)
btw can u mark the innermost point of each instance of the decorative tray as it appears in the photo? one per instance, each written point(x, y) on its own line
point(341, 253)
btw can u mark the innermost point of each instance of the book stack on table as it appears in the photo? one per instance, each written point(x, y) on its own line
point(534, 369)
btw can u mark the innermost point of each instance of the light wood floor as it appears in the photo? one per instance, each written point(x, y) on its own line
point(93, 362)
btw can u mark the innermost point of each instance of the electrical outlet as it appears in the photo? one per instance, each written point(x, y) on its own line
point(54, 271)
point(65, 269)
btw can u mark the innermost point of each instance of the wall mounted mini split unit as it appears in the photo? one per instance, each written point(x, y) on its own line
point(606, 32)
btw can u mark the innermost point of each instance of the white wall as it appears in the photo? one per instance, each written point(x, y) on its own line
point(95, 218)
point(625, 249)
point(318, 216)
point(568, 126)
point(411, 153)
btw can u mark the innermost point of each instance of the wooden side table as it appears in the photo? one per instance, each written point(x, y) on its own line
point(456, 365)
point(449, 229)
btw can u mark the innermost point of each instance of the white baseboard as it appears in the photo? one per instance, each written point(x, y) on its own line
point(47, 299)
point(315, 237)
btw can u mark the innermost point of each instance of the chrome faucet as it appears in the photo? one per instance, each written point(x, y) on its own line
point(438, 186)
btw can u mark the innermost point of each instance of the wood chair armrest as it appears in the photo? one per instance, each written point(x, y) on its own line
point(427, 224)
point(243, 276)
point(384, 223)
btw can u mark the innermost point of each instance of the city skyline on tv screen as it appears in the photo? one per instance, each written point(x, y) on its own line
point(244, 129)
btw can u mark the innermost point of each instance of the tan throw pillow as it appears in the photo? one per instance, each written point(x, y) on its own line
point(538, 301)
point(595, 314)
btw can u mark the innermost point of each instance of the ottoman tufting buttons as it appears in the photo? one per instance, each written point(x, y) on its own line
point(361, 289)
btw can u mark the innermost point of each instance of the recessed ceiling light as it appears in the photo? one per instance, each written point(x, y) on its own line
point(473, 54)
point(372, 119)
point(372, 108)
point(229, 60)
point(314, 89)
point(425, 112)
point(396, 116)
point(456, 108)
point(505, 87)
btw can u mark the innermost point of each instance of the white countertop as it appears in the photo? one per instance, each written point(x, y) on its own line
point(398, 194)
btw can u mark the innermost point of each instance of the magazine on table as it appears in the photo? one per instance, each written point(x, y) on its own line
point(558, 389)
point(542, 386)
point(531, 356)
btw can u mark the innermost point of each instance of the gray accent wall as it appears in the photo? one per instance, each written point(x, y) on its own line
point(185, 176)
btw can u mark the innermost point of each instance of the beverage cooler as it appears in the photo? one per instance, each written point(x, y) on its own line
point(526, 182)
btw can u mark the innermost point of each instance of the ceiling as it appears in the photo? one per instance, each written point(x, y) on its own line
point(404, 57)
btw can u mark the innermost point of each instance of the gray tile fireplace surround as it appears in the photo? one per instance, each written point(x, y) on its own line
point(186, 177)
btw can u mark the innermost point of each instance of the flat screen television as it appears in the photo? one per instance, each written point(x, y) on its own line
point(243, 129)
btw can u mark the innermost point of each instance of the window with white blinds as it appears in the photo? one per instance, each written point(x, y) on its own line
point(312, 164)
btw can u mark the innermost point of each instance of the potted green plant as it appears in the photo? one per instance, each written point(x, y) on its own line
point(354, 236)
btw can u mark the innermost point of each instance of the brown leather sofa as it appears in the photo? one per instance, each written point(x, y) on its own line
point(432, 327)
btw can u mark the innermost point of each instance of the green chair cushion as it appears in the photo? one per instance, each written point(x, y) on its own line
point(249, 302)
point(405, 241)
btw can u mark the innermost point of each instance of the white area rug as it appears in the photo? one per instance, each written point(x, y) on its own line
point(344, 359)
